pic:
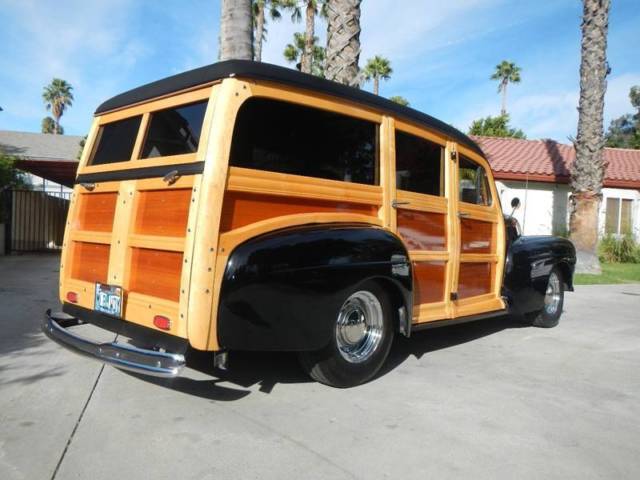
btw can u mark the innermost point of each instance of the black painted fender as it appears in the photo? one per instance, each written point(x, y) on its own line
point(529, 262)
point(283, 290)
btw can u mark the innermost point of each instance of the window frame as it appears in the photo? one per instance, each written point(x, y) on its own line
point(146, 109)
point(487, 179)
point(620, 201)
point(427, 136)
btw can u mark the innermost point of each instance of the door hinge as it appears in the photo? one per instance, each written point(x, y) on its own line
point(454, 296)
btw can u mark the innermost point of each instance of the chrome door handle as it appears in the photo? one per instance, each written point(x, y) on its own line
point(171, 177)
point(88, 186)
point(463, 215)
point(396, 203)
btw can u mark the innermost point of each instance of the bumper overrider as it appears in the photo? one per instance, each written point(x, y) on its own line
point(120, 355)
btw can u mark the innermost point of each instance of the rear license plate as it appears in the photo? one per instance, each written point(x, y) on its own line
point(109, 299)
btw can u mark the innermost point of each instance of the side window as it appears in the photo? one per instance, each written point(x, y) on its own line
point(174, 131)
point(115, 141)
point(474, 185)
point(284, 137)
point(418, 164)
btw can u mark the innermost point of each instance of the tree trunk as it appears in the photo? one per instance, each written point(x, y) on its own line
point(588, 170)
point(236, 30)
point(309, 32)
point(56, 123)
point(343, 41)
point(257, 54)
point(376, 84)
point(503, 110)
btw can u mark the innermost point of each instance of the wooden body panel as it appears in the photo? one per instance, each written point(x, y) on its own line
point(167, 245)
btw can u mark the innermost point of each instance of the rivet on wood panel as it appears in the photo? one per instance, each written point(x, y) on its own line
point(149, 306)
point(209, 269)
point(206, 291)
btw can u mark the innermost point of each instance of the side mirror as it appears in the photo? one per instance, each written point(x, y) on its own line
point(515, 203)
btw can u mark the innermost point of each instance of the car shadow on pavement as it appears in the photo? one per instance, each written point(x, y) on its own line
point(267, 369)
point(430, 340)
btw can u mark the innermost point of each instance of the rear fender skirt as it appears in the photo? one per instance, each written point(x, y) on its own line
point(283, 290)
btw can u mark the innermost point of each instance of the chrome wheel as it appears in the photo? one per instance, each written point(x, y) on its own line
point(359, 327)
point(553, 295)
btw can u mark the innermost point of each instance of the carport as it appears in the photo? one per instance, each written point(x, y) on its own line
point(35, 217)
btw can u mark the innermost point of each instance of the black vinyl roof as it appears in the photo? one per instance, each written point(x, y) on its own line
point(285, 76)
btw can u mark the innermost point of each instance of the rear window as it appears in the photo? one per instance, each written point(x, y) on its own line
point(287, 138)
point(174, 131)
point(115, 141)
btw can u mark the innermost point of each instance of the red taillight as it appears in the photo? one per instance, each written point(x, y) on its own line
point(72, 297)
point(161, 322)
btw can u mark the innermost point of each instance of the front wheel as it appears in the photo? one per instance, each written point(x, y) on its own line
point(549, 316)
point(363, 333)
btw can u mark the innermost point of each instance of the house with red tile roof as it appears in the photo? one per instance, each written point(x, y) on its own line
point(537, 172)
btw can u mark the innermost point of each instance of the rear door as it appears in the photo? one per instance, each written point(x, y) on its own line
point(131, 223)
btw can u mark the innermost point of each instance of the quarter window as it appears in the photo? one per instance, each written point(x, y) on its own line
point(288, 138)
point(174, 131)
point(115, 141)
point(418, 164)
point(473, 183)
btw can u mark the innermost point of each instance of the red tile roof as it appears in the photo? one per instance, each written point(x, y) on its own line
point(550, 161)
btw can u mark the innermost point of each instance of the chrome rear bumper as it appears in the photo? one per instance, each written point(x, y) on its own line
point(119, 355)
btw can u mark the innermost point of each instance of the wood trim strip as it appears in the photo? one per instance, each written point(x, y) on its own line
point(282, 184)
point(478, 258)
point(156, 242)
point(424, 256)
point(91, 237)
point(426, 203)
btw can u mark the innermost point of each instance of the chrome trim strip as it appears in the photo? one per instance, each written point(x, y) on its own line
point(119, 355)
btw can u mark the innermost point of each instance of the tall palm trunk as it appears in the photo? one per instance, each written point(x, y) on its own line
point(56, 114)
point(503, 110)
point(376, 84)
point(236, 30)
point(309, 33)
point(257, 54)
point(588, 170)
point(343, 41)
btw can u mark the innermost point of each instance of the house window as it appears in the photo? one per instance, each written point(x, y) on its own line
point(618, 219)
point(418, 165)
point(288, 138)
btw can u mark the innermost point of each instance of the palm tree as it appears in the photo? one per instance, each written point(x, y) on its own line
point(506, 72)
point(260, 8)
point(343, 41)
point(587, 171)
point(377, 68)
point(311, 9)
point(294, 52)
point(400, 100)
point(57, 97)
point(49, 125)
point(236, 30)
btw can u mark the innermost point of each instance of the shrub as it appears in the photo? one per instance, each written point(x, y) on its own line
point(614, 249)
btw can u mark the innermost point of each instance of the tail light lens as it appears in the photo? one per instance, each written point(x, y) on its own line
point(163, 323)
point(72, 297)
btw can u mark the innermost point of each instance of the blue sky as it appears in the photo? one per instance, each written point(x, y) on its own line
point(442, 54)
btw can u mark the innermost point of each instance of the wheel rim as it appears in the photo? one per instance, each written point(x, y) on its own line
point(359, 327)
point(553, 294)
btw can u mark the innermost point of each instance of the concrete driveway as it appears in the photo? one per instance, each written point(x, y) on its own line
point(485, 400)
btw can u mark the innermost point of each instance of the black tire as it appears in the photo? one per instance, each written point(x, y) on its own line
point(550, 317)
point(329, 365)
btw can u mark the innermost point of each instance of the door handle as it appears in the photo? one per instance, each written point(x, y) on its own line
point(171, 177)
point(396, 203)
point(463, 215)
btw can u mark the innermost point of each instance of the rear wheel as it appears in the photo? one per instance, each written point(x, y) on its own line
point(360, 343)
point(549, 316)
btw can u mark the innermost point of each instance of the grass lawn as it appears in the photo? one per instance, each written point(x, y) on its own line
point(611, 273)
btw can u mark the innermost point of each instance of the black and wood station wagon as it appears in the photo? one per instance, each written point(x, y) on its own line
point(244, 206)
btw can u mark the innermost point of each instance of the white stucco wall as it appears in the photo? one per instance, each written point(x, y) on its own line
point(545, 206)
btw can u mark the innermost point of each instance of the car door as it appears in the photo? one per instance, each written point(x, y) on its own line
point(421, 217)
point(480, 237)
